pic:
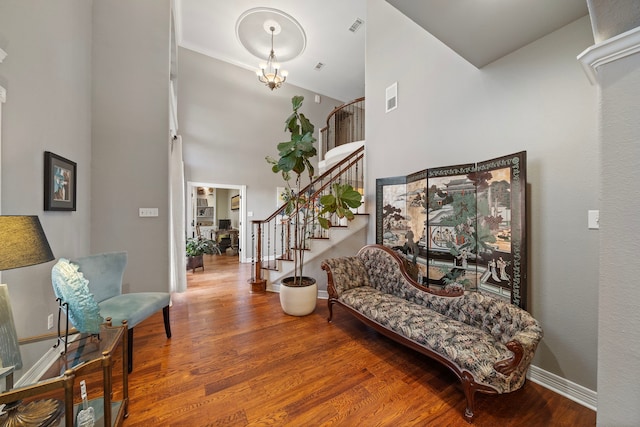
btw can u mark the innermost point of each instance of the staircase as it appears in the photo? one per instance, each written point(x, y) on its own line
point(349, 238)
point(272, 238)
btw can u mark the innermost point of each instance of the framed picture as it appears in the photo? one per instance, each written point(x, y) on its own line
point(235, 202)
point(60, 178)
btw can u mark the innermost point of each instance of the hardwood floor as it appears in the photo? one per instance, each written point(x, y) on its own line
point(236, 359)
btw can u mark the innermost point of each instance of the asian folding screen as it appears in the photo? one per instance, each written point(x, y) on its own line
point(463, 225)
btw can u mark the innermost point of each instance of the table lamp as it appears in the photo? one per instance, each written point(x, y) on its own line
point(22, 243)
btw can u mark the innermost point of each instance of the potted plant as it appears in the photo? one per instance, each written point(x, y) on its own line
point(195, 248)
point(294, 163)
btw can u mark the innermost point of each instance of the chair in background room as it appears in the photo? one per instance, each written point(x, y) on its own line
point(91, 289)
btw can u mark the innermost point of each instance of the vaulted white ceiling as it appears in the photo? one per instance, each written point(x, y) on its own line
point(208, 27)
point(481, 31)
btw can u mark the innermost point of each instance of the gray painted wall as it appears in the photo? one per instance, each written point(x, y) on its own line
point(229, 123)
point(130, 160)
point(619, 329)
point(88, 81)
point(536, 99)
point(47, 74)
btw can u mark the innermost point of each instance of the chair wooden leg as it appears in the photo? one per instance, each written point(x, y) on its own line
point(167, 325)
point(130, 342)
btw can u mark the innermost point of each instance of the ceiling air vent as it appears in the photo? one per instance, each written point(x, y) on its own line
point(319, 66)
point(356, 25)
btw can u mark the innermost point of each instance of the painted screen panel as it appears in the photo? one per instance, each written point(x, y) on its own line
point(461, 225)
point(452, 227)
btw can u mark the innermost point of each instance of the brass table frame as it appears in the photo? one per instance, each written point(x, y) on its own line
point(73, 364)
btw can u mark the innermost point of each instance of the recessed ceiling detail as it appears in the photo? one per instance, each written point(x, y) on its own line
point(253, 32)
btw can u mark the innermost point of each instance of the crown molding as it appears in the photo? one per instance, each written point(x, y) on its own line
point(613, 49)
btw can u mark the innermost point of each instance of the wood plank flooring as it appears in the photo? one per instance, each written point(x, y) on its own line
point(236, 359)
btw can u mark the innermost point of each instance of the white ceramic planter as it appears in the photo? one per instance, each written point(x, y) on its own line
point(298, 300)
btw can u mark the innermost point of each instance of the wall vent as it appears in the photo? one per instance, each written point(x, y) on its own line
point(356, 25)
point(391, 97)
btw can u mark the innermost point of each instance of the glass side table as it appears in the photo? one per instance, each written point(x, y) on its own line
point(85, 355)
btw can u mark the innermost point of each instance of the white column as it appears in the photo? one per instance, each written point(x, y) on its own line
point(614, 65)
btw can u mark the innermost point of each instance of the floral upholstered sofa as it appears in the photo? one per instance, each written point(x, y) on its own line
point(487, 342)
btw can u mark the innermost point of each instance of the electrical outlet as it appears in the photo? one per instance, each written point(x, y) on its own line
point(50, 321)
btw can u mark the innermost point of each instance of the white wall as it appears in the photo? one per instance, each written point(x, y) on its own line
point(47, 74)
point(536, 99)
point(619, 329)
point(230, 122)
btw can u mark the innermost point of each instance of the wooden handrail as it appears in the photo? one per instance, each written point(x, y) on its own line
point(350, 128)
point(351, 158)
point(341, 107)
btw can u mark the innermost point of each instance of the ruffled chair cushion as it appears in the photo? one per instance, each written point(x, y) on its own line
point(72, 288)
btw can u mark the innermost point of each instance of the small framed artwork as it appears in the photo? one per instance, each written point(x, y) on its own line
point(235, 202)
point(60, 178)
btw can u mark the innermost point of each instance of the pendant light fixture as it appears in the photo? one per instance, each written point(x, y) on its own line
point(270, 73)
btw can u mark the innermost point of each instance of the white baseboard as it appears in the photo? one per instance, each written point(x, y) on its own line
point(275, 287)
point(564, 387)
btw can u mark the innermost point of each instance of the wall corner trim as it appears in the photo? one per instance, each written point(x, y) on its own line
point(618, 47)
point(3, 55)
point(564, 387)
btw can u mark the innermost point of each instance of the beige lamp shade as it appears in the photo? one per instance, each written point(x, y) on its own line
point(22, 242)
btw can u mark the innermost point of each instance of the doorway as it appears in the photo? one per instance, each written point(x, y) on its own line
point(219, 211)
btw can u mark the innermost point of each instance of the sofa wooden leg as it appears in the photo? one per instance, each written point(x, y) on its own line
point(167, 325)
point(330, 304)
point(130, 342)
point(469, 392)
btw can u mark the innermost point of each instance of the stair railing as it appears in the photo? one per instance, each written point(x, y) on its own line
point(345, 124)
point(272, 238)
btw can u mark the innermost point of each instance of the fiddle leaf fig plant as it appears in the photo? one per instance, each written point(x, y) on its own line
point(294, 163)
point(340, 201)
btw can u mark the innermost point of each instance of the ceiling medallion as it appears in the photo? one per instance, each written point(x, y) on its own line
point(259, 29)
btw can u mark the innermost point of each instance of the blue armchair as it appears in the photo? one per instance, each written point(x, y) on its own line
point(92, 289)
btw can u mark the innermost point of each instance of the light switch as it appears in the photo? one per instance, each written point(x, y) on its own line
point(593, 220)
point(147, 212)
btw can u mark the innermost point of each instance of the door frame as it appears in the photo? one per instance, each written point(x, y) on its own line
point(242, 216)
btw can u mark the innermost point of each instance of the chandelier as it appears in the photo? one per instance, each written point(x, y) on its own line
point(270, 73)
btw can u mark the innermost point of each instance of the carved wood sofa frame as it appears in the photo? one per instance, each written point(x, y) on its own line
point(489, 342)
